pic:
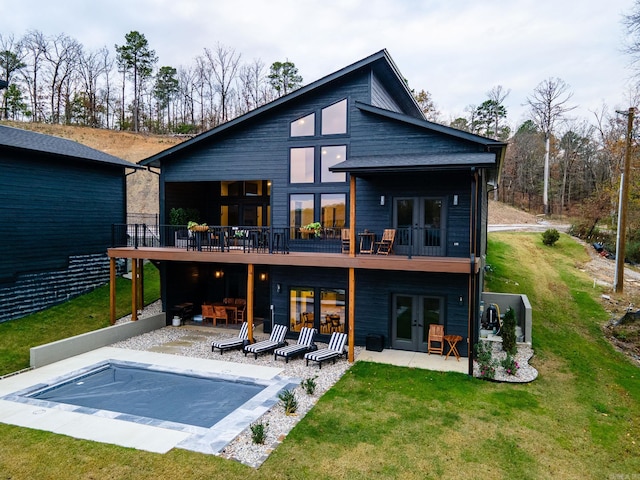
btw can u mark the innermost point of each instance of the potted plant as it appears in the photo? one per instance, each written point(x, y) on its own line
point(197, 227)
point(314, 229)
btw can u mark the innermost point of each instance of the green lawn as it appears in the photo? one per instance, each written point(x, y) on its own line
point(580, 418)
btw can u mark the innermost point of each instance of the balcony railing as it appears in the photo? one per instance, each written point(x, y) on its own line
point(408, 241)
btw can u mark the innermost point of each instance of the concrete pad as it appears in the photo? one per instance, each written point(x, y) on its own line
point(403, 358)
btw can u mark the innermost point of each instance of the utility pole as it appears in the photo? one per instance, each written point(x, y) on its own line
point(618, 283)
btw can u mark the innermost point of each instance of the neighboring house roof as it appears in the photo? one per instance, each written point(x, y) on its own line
point(380, 62)
point(16, 138)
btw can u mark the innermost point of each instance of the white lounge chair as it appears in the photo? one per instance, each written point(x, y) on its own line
point(275, 340)
point(305, 344)
point(333, 351)
point(236, 342)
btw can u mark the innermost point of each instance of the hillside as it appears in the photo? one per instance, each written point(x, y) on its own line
point(142, 187)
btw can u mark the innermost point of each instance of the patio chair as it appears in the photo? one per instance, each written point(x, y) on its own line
point(305, 344)
point(276, 340)
point(207, 313)
point(236, 342)
point(385, 245)
point(436, 334)
point(333, 351)
point(220, 313)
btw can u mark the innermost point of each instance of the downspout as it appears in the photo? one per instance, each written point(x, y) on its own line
point(473, 225)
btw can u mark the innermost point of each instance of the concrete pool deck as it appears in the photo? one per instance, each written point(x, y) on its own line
point(152, 436)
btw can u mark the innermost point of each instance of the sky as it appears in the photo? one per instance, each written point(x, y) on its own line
point(457, 50)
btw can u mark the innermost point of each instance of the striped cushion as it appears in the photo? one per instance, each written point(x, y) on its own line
point(275, 340)
point(305, 342)
point(335, 348)
point(233, 342)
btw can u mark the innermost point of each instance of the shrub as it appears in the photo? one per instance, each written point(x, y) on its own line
point(486, 363)
point(510, 365)
point(508, 332)
point(632, 252)
point(550, 237)
point(259, 432)
point(288, 401)
point(309, 385)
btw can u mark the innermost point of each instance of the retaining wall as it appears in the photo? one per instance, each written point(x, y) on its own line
point(69, 347)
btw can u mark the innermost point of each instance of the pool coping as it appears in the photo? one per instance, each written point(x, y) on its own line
point(111, 427)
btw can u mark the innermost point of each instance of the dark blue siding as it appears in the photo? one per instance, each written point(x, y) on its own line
point(50, 210)
point(380, 97)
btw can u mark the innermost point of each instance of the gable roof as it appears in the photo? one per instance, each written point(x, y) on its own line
point(18, 139)
point(381, 64)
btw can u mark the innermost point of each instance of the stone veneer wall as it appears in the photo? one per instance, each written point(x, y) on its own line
point(33, 292)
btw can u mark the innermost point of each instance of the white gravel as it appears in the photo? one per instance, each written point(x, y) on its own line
point(525, 374)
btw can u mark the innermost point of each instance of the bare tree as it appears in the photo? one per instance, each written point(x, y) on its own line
point(224, 63)
point(62, 56)
point(34, 45)
point(91, 68)
point(548, 104)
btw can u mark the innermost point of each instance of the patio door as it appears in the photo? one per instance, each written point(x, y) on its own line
point(418, 221)
point(412, 315)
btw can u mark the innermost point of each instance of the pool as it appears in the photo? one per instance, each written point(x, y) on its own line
point(147, 392)
point(145, 400)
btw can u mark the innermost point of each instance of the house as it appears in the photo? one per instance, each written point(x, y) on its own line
point(349, 156)
point(58, 201)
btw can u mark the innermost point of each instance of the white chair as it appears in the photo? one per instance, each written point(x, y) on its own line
point(305, 344)
point(276, 340)
point(235, 342)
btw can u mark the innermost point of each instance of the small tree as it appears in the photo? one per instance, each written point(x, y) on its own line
point(550, 237)
point(508, 332)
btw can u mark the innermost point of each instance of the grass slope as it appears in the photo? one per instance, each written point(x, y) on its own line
point(578, 420)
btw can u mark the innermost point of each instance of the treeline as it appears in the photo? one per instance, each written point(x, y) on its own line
point(555, 163)
point(54, 79)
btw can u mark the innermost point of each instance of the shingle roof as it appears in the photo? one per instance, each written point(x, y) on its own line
point(37, 142)
point(415, 162)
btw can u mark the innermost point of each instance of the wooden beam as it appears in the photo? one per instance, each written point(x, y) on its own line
point(250, 293)
point(352, 309)
point(112, 291)
point(134, 291)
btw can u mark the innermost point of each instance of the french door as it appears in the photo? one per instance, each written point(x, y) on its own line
point(412, 315)
point(420, 227)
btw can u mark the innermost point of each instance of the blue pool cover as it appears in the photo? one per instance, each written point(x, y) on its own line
point(168, 396)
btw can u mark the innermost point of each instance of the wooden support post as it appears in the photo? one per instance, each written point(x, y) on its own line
point(249, 316)
point(352, 216)
point(112, 291)
point(352, 309)
point(134, 290)
point(139, 280)
point(141, 285)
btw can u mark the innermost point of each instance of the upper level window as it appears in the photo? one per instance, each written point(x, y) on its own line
point(301, 165)
point(331, 156)
point(304, 127)
point(334, 118)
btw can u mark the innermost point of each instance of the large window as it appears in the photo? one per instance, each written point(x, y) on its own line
point(332, 310)
point(302, 165)
point(303, 312)
point(333, 208)
point(330, 157)
point(304, 127)
point(301, 208)
point(334, 118)
point(301, 308)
